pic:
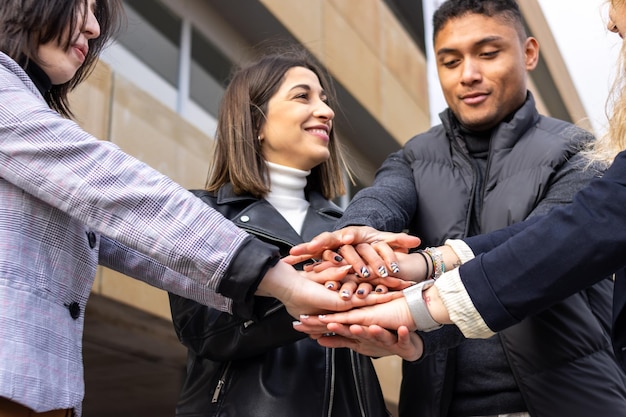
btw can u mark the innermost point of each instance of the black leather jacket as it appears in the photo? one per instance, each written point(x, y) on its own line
point(262, 367)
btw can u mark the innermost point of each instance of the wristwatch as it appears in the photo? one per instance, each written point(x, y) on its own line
point(419, 311)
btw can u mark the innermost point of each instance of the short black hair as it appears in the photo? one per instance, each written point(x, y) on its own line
point(452, 9)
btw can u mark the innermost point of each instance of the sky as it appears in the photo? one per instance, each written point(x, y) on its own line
point(590, 52)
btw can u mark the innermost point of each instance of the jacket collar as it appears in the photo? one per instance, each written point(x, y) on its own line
point(259, 216)
point(506, 134)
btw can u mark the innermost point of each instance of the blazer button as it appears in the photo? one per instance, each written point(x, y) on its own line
point(91, 237)
point(74, 310)
point(244, 219)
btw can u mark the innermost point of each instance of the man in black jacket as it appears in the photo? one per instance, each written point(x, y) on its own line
point(495, 161)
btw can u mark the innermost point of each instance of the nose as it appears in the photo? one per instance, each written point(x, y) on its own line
point(92, 27)
point(470, 72)
point(612, 27)
point(323, 111)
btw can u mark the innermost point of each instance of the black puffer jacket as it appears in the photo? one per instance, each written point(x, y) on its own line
point(561, 358)
point(262, 367)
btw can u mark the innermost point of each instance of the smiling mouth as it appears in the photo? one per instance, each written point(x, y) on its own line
point(318, 131)
point(474, 98)
point(81, 52)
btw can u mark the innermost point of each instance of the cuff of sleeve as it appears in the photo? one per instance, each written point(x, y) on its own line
point(447, 337)
point(461, 249)
point(460, 307)
point(246, 271)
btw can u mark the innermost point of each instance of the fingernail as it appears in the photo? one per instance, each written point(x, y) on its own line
point(304, 316)
point(395, 268)
point(379, 290)
point(365, 273)
point(330, 285)
point(321, 316)
point(296, 323)
point(338, 258)
point(382, 271)
point(360, 291)
point(345, 294)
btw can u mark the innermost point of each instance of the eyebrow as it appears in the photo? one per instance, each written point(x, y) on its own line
point(306, 87)
point(481, 42)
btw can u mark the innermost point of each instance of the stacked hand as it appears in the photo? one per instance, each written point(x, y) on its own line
point(378, 259)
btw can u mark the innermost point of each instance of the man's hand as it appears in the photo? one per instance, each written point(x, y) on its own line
point(352, 235)
point(368, 340)
point(370, 252)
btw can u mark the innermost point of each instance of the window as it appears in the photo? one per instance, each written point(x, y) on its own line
point(152, 53)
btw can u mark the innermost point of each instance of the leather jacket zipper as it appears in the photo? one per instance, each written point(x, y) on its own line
point(269, 311)
point(355, 374)
point(330, 354)
point(220, 384)
point(263, 234)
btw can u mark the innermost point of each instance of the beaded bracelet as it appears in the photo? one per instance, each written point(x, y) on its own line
point(428, 273)
point(439, 267)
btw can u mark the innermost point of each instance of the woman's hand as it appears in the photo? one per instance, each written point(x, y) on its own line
point(304, 296)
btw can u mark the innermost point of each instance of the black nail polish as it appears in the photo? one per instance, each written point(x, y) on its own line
point(360, 292)
point(365, 273)
point(338, 258)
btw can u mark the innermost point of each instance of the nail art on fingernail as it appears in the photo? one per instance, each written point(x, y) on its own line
point(382, 271)
point(360, 292)
point(296, 323)
point(395, 268)
point(345, 294)
point(304, 316)
point(365, 273)
point(338, 258)
point(330, 285)
point(379, 290)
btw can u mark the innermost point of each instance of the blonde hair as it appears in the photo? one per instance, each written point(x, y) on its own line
point(613, 141)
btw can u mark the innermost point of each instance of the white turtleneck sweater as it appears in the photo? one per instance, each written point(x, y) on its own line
point(287, 193)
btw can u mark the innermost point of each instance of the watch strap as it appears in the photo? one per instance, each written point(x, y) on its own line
point(417, 306)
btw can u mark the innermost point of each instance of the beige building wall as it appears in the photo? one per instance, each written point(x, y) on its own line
point(367, 50)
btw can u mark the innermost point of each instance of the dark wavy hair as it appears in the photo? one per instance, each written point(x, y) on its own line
point(238, 158)
point(506, 9)
point(27, 24)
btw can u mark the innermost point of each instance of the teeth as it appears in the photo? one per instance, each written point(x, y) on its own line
point(322, 131)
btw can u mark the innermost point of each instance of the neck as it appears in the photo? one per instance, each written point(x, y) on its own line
point(285, 180)
point(287, 193)
point(39, 77)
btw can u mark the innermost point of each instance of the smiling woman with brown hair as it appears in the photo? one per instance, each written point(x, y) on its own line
point(277, 165)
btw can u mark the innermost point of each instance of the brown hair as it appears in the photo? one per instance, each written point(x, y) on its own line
point(27, 24)
point(238, 158)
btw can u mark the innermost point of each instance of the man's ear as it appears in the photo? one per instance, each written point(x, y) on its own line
point(531, 51)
